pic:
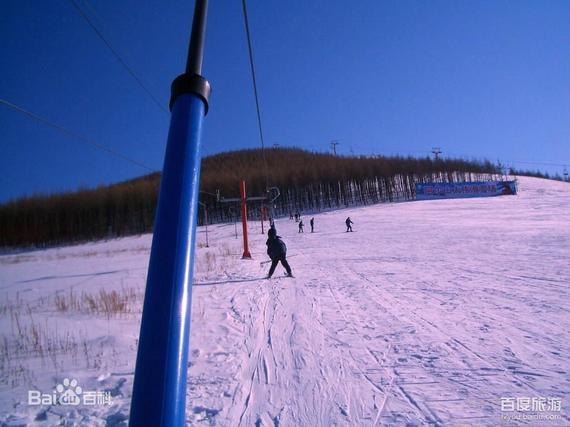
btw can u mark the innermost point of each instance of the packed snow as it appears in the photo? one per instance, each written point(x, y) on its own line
point(437, 312)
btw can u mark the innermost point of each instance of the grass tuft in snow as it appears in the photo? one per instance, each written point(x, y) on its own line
point(107, 303)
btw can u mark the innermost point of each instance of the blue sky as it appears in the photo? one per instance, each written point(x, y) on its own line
point(483, 78)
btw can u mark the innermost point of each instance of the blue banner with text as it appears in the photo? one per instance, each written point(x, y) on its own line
point(456, 190)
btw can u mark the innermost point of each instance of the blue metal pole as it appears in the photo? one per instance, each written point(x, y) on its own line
point(159, 390)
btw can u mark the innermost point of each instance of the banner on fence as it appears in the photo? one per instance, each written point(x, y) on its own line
point(455, 190)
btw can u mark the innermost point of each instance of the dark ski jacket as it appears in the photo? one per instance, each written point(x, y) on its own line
point(348, 222)
point(276, 247)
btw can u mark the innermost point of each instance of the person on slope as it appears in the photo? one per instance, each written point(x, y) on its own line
point(312, 222)
point(348, 223)
point(277, 251)
point(301, 225)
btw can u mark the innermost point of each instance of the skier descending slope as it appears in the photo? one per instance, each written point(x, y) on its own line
point(277, 251)
point(348, 223)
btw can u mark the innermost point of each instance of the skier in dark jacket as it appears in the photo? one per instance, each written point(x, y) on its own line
point(312, 222)
point(348, 223)
point(277, 251)
point(301, 225)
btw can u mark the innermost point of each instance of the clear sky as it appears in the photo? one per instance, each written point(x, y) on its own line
point(477, 78)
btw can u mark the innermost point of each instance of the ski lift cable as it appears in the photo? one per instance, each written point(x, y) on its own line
point(255, 92)
point(75, 135)
point(117, 56)
point(530, 162)
point(535, 163)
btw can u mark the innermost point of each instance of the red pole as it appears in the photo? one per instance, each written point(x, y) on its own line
point(246, 253)
point(206, 222)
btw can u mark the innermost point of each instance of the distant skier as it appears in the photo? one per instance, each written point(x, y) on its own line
point(290, 215)
point(297, 216)
point(348, 223)
point(312, 222)
point(301, 225)
point(277, 251)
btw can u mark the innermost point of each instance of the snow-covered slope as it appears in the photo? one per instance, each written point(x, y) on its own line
point(430, 313)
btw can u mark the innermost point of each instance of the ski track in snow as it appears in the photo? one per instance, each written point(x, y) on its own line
point(428, 315)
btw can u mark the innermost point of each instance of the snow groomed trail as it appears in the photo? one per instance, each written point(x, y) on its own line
point(429, 313)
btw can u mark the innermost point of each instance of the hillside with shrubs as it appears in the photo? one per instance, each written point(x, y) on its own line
point(307, 182)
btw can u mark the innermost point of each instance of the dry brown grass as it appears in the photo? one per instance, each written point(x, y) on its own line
point(106, 303)
point(30, 338)
point(31, 341)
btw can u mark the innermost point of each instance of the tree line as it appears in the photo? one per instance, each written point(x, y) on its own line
point(313, 182)
point(307, 181)
point(107, 211)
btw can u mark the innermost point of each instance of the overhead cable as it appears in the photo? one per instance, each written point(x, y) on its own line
point(118, 57)
point(75, 135)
